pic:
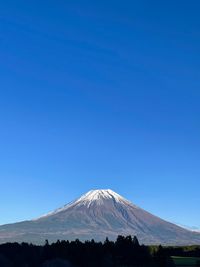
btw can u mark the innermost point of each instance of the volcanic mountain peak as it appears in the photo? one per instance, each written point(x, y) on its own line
point(93, 198)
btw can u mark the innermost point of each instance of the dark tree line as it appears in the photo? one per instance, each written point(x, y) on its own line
point(124, 252)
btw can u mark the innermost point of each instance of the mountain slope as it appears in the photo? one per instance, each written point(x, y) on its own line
point(98, 214)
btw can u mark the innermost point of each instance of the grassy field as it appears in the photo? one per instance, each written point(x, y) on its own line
point(186, 262)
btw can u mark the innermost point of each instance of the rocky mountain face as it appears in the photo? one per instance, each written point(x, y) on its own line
point(96, 215)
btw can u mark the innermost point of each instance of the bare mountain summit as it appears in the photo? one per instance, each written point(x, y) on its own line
point(98, 214)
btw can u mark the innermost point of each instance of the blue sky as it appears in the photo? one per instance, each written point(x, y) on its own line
point(100, 94)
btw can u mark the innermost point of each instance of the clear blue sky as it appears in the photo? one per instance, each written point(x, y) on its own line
point(100, 94)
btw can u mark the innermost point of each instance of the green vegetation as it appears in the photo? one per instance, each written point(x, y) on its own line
point(186, 261)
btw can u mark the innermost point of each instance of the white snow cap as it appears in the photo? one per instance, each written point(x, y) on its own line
point(98, 196)
point(100, 193)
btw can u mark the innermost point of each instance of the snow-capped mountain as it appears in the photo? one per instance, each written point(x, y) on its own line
point(98, 214)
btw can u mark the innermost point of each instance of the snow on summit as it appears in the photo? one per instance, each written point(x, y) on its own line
point(98, 196)
point(94, 195)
